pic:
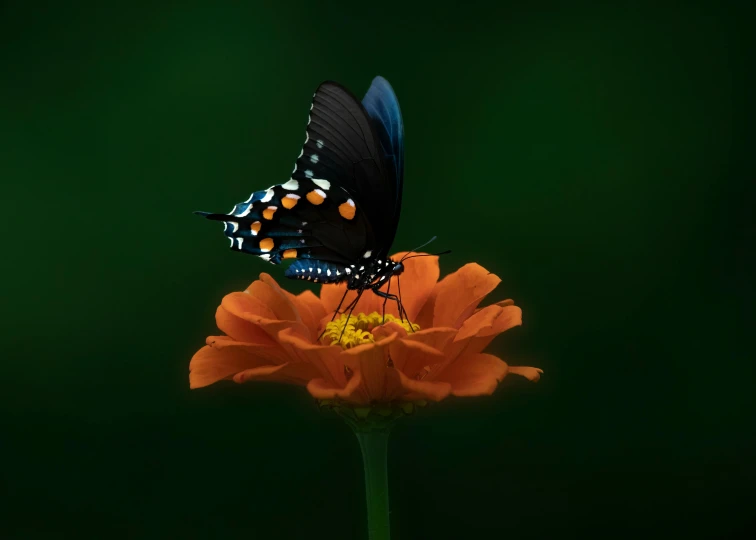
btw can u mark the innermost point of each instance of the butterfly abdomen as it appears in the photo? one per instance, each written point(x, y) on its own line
point(318, 271)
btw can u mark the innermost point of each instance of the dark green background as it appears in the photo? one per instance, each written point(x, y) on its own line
point(598, 159)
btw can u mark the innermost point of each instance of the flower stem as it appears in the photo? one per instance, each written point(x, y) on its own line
point(374, 445)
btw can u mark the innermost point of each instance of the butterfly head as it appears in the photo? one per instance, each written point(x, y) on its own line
point(398, 268)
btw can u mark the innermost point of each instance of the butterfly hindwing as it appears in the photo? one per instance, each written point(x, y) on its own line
point(298, 219)
point(341, 204)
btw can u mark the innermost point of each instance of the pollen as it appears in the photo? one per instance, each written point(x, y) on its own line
point(347, 209)
point(290, 254)
point(316, 196)
point(358, 329)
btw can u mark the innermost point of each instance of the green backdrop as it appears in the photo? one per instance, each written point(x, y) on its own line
point(599, 158)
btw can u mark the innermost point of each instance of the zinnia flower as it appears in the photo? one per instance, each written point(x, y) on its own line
point(271, 334)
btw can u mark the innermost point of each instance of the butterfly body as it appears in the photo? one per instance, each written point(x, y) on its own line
point(337, 215)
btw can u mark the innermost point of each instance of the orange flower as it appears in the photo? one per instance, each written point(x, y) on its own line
point(272, 334)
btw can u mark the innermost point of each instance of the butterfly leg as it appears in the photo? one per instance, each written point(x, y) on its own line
point(351, 309)
point(386, 299)
point(400, 306)
point(399, 287)
point(336, 312)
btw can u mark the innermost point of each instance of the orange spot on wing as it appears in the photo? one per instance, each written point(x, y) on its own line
point(266, 244)
point(290, 201)
point(315, 197)
point(290, 254)
point(255, 227)
point(269, 211)
point(347, 209)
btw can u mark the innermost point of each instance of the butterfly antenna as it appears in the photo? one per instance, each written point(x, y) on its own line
point(419, 247)
point(429, 254)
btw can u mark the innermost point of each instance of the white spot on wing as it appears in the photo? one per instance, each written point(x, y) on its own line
point(366, 255)
point(268, 195)
point(308, 173)
point(319, 143)
point(265, 256)
point(234, 225)
point(348, 271)
point(232, 241)
point(325, 184)
point(239, 242)
point(350, 202)
point(314, 158)
point(291, 185)
point(247, 211)
point(320, 191)
point(328, 271)
point(318, 270)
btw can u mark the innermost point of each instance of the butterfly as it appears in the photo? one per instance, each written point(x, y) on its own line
point(337, 215)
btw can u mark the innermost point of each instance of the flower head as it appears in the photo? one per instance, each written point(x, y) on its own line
point(271, 334)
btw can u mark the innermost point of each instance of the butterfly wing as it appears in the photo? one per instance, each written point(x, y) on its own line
point(340, 197)
point(381, 104)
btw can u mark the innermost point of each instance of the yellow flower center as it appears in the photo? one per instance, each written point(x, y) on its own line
point(358, 329)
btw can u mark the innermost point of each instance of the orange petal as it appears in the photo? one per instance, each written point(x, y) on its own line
point(425, 317)
point(386, 330)
point(490, 321)
point(438, 338)
point(324, 358)
point(530, 373)
point(430, 390)
point(240, 303)
point(351, 392)
point(417, 281)
point(273, 327)
point(371, 361)
point(302, 306)
point(501, 303)
point(267, 291)
point(211, 364)
point(460, 293)
point(477, 333)
point(410, 357)
point(299, 373)
point(474, 375)
point(239, 328)
point(508, 317)
point(310, 309)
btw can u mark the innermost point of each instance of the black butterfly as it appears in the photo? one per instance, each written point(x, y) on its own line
point(338, 214)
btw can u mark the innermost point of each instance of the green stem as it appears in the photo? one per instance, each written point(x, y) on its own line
point(374, 445)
